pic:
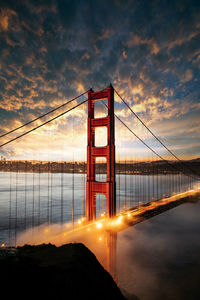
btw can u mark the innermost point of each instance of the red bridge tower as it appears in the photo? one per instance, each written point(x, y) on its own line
point(93, 187)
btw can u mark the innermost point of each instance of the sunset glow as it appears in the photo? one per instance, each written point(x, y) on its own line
point(53, 51)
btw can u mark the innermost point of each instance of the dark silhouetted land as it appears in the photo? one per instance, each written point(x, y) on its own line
point(67, 272)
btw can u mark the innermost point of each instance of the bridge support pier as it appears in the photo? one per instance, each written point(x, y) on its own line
point(93, 187)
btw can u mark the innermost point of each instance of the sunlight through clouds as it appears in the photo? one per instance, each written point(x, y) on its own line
point(53, 51)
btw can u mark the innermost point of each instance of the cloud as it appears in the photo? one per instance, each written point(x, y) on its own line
point(181, 40)
point(136, 40)
point(53, 51)
point(187, 76)
point(6, 15)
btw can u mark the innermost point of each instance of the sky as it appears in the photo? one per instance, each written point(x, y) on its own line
point(51, 51)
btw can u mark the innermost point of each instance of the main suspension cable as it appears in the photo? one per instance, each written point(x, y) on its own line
point(175, 156)
point(40, 117)
point(162, 158)
point(33, 129)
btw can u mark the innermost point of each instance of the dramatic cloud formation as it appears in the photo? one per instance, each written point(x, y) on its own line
point(54, 50)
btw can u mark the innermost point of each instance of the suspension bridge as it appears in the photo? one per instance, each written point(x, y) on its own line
point(117, 171)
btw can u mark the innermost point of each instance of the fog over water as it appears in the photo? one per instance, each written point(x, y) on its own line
point(156, 259)
point(160, 258)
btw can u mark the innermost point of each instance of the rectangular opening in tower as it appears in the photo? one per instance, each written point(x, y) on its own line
point(100, 205)
point(101, 136)
point(101, 108)
point(100, 169)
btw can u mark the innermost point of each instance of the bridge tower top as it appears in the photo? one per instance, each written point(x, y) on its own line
point(93, 187)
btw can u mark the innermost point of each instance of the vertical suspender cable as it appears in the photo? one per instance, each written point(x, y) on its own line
point(82, 188)
point(73, 176)
point(73, 191)
point(39, 192)
point(48, 192)
point(119, 181)
point(16, 201)
point(119, 169)
point(51, 192)
point(125, 186)
point(84, 201)
point(61, 212)
point(157, 183)
point(33, 202)
point(25, 199)
point(10, 204)
point(137, 181)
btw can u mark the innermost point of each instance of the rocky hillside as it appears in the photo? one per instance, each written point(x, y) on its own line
point(67, 272)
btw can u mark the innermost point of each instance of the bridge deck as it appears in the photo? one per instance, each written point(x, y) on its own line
point(126, 218)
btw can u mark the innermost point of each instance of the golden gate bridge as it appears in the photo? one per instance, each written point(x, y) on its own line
point(112, 188)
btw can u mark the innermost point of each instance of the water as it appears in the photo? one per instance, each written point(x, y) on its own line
point(31, 199)
point(156, 259)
